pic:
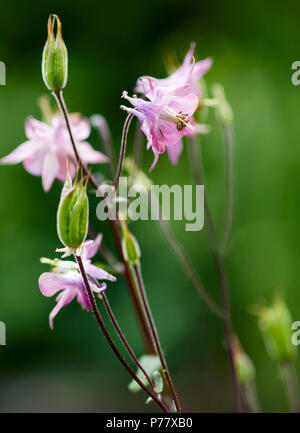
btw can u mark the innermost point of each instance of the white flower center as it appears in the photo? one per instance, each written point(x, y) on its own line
point(180, 119)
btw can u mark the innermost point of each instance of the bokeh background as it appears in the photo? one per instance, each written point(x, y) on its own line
point(111, 44)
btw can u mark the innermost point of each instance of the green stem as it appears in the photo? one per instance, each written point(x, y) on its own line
point(108, 338)
point(183, 258)
point(155, 337)
point(123, 149)
point(196, 163)
point(229, 182)
point(289, 379)
point(250, 395)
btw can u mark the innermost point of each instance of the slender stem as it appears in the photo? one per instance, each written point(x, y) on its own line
point(289, 380)
point(229, 173)
point(124, 340)
point(134, 292)
point(100, 123)
point(250, 395)
point(123, 149)
point(61, 103)
point(183, 258)
point(196, 163)
point(108, 338)
point(138, 149)
point(117, 239)
point(156, 339)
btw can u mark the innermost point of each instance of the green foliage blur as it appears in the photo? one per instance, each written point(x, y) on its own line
point(110, 44)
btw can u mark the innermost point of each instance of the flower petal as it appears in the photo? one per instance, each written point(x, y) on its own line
point(63, 299)
point(98, 273)
point(50, 282)
point(35, 129)
point(49, 170)
point(25, 150)
point(174, 152)
point(91, 249)
point(90, 155)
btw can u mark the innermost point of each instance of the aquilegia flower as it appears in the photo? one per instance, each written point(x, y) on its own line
point(66, 278)
point(165, 120)
point(167, 114)
point(48, 147)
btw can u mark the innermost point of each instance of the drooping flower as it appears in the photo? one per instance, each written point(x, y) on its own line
point(48, 148)
point(65, 278)
point(167, 114)
point(165, 119)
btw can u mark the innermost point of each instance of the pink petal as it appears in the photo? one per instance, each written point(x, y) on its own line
point(22, 152)
point(90, 155)
point(174, 152)
point(91, 249)
point(80, 126)
point(49, 170)
point(50, 282)
point(34, 164)
point(98, 273)
point(63, 299)
point(35, 129)
point(186, 104)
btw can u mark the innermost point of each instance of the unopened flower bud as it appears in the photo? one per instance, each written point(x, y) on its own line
point(55, 57)
point(223, 108)
point(243, 364)
point(275, 324)
point(130, 246)
point(73, 214)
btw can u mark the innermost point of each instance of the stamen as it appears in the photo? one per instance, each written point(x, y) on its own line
point(180, 119)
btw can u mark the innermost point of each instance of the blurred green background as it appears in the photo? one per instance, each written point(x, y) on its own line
point(111, 44)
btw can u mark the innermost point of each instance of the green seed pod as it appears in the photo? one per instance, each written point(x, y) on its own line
point(55, 57)
point(243, 364)
point(130, 247)
point(73, 215)
point(275, 324)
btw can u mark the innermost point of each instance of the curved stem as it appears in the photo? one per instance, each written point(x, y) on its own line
point(134, 292)
point(108, 338)
point(289, 380)
point(61, 103)
point(156, 339)
point(124, 340)
point(229, 173)
point(251, 397)
point(196, 163)
point(183, 258)
point(123, 149)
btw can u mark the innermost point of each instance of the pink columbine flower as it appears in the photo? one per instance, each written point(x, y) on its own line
point(66, 278)
point(167, 115)
point(48, 147)
point(165, 120)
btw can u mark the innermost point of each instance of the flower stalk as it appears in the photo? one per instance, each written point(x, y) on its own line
point(108, 338)
point(158, 348)
point(196, 164)
point(289, 380)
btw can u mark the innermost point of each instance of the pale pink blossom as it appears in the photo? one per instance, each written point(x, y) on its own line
point(164, 120)
point(48, 148)
point(183, 84)
point(66, 278)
